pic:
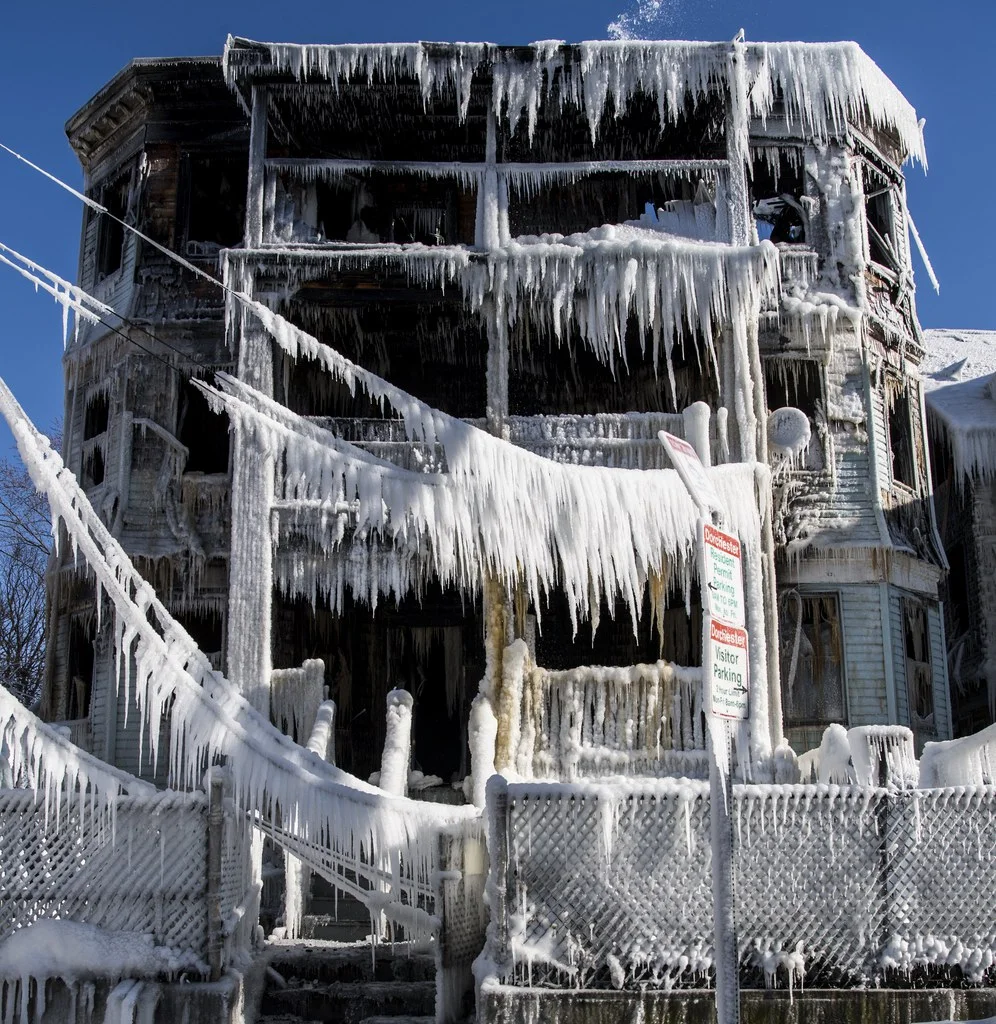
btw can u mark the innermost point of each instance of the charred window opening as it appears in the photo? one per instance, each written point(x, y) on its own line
point(425, 344)
point(80, 662)
point(206, 628)
point(93, 467)
point(667, 632)
point(799, 384)
point(217, 202)
point(812, 662)
point(902, 449)
point(778, 191)
point(110, 231)
point(881, 225)
point(375, 209)
point(919, 669)
point(551, 376)
point(202, 431)
point(683, 206)
point(96, 415)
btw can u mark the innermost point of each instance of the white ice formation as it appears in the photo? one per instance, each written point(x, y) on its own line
point(822, 86)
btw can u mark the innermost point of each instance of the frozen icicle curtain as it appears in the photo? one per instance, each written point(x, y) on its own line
point(823, 86)
point(592, 531)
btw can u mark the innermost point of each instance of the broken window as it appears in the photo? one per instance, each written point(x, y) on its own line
point(96, 415)
point(110, 232)
point(216, 209)
point(205, 627)
point(812, 660)
point(80, 667)
point(93, 466)
point(901, 441)
point(202, 431)
point(919, 670)
point(798, 384)
point(881, 225)
point(778, 190)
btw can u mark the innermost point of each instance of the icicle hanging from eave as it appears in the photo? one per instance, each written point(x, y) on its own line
point(964, 417)
point(825, 85)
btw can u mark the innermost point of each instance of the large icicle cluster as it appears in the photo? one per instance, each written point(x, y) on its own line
point(822, 86)
point(319, 811)
point(593, 532)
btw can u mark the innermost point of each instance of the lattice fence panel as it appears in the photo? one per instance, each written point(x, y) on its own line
point(839, 886)
point(941, 879)
point(808, 876)
point(599, 888)
point(145, 872)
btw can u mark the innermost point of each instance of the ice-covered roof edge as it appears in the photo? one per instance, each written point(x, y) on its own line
point(824, 85)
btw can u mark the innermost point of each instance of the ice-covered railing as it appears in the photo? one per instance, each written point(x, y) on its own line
point(295, 696)
point(969, 761)
point(866, 755)
point(40, 757)
point(822, 86)
point(963, 416)
point(588, 531)
point(600, 721)
point(367, 841)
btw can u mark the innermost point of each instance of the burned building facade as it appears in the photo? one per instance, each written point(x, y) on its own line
point(567, 246)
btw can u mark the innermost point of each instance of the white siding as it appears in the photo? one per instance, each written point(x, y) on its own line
point(864, 658)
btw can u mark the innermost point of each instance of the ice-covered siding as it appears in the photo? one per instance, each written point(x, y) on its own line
point(864, 657)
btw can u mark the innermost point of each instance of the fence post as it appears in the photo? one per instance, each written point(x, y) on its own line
point(215, 830)
point(496, 820)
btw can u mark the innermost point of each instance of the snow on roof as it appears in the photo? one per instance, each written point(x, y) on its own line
point(823, 85)
point(955, 355)
point(959, 372)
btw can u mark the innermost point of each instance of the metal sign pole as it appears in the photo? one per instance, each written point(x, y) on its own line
point(722, 585)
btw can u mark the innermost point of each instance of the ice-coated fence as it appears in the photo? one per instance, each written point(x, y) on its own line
point(144, 868)
point(609, 886)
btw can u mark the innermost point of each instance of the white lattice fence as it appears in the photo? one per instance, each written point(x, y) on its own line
point(610, 886)
point(142, 868)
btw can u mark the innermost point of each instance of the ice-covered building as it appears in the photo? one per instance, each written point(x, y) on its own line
point(958, 373)
point(558, 244)
point(379, 340)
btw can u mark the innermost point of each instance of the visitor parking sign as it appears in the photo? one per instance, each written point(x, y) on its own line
point(724, 579)
point(726, 669)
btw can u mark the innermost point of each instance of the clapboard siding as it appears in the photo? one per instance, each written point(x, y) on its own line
point(880, 428)
point(898, 645)
point(938, 657)
point(863, 655)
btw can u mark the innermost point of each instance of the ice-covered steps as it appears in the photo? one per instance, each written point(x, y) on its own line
point(398, 1020)
point(352, 1002)
point(346, 983)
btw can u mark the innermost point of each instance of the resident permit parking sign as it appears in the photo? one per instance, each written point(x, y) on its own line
point(723, 575)
point(726, 669)
point(693, 474)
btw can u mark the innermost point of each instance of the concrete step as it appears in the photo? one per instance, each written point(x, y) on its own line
point(306, 961)
point(352, 1002)
point(398, 1020)
point(327, 926)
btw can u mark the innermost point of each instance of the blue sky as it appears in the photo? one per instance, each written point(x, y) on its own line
point(57, 54)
